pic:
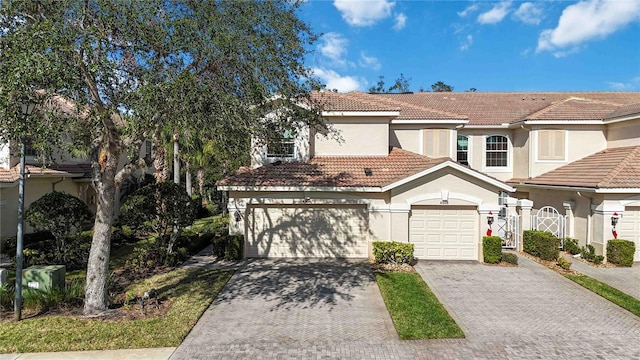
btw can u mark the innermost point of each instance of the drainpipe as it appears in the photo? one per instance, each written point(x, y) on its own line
point(53, 184)
point(588, 240)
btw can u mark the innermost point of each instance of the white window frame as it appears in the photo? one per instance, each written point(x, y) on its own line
point(284, 139)
point(468, 148)
point(536, 145)
point(497, 169)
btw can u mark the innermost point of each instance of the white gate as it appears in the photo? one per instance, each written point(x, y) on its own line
point(509, 231)
point(550, 220)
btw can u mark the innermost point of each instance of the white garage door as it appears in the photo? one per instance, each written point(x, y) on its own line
point(307, 231)
point(444, 233)
point(629, 227)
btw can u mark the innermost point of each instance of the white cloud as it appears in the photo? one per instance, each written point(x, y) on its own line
point(633, 84)
point(370, 62)
point(468, 10)
point(529, 13)
point(585, 21)
point(466, 43)
point(363, 13)
point(333, 80)
point(401, 21)
point(334, 47)
point(496, 14)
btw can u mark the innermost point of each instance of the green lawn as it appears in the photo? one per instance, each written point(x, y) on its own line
point(415, 310)
point(190, 290)
point(614, 295)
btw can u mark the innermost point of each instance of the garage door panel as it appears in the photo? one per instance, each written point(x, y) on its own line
point(309, 231)
point(629, 227)
point(448, 233)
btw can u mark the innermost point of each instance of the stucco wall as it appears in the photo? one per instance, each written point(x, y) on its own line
point(477, 151)
point(626, 133)
point(359, 137)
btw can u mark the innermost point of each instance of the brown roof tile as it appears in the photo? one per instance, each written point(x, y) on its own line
point(332, 101)
point(66, 170)
point(625, 110)
point(575, 109)
point(610, 168)
point(336, 171)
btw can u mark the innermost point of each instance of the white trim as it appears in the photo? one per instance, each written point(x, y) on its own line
point(484, 209)
point(438, 196)
point(622, 118)
point(449, 163)
point(607, 208)
point(618, 191)
point(299, 188)
point(428, 121)
point(561, 122)
point(536, 144)
point(630, 200)
point(360, 113)
point(496, 126)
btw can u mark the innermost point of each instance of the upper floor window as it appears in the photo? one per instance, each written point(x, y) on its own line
point(29, 150)
point(497, 151)
point(436, 142)
point(551, 144)
point(462, 150)
point(282, 147)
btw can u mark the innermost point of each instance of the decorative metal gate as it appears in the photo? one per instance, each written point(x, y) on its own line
point(509, 230)
point(550, 220)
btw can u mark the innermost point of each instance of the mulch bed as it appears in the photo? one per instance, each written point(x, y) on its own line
point(550, 264)
point(391, 267)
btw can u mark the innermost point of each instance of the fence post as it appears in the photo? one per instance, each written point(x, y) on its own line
point(525, 206)
point(569, 206)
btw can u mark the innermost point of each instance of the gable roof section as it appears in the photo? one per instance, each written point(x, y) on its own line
point(332, 101)
point(410, 111)
point(615, 168)
point(344, 173)
point(625, 110)
point(68, 170)
point(575, 109)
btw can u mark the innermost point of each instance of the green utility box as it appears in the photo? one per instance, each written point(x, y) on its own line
point(43, 277)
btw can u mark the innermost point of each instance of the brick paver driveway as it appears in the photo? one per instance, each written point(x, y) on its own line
point(332, 309)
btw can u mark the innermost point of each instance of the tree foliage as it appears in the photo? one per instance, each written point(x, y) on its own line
point(441, 87)
point(400, 85)
point(122, 72)
point(164, 209)
point(62, 215)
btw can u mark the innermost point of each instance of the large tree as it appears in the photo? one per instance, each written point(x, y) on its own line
point(135, 69)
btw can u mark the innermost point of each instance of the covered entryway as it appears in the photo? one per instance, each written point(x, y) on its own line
point(307, 231)
point(629, 227)
point(444, 232)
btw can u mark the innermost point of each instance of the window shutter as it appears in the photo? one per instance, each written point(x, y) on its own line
point(551, 144)
point(436, 142)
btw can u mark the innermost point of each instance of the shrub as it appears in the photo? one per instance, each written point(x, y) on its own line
point(563, 263)
point(71, 294)
point(61, 214)
point(541, 244)
point(621, 252)
point(510, 258)
point(392, 252)
point(571, 246)
point(228, 247)
point(76, 253)
point(492, 249)
point(161, 208)
point(589, 253)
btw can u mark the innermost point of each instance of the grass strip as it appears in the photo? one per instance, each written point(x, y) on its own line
point(415, 310)
point(612, 294)
point(190, 290)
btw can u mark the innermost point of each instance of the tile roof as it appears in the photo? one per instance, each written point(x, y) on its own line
point(575, 109)
point(610, 168)
point(336, 171)
point(625, 110)
point(66, 170)
point(413, 111)
point(494, 108)
point(352, 101)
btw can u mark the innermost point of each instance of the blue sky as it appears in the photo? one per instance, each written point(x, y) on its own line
point(590, 45)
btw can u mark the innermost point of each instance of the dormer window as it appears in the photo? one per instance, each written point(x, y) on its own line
point(282, 147)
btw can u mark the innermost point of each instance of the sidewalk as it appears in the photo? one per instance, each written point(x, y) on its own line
point(625, 279)
point(204, 259)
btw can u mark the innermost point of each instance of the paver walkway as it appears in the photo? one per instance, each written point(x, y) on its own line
point(625, 279)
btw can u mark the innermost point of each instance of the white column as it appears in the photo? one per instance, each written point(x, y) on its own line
point(569, 206)
point(525, 207)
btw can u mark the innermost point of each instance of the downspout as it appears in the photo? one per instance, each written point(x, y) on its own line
point(53, 184)
point(588, 240)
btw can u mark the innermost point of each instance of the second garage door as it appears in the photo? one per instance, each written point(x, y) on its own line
point(629, 227)
point(444, 232)
point(307, 231)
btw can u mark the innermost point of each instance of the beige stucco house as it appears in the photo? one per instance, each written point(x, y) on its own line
point(435, 169)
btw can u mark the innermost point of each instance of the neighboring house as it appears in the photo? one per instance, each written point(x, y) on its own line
point(434, 169)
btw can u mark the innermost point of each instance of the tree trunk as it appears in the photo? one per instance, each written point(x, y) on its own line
point(201, 184)
point(187, 180)
point(159, 160)
point(176, 158)
point(98, 266)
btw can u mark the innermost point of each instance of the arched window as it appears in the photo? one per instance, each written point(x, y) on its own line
point(497, 151)
point(462, 150)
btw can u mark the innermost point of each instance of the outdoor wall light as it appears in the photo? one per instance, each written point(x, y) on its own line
point(489, 220)
point(614, 219)
point(237, 216)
